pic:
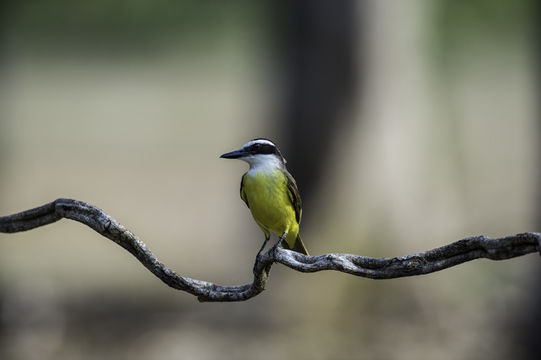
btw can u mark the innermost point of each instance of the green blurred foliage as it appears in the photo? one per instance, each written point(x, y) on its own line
point(460, 25)
point(123, 26)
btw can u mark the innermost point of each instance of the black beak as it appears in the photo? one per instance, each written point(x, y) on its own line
point(233, 154)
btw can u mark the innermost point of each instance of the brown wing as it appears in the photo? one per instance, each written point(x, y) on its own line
point(242, 194)
point(294, 196)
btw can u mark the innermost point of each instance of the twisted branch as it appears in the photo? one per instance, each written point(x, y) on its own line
point(373, 268)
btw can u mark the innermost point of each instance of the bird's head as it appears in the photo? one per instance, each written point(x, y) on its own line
point(258, 152)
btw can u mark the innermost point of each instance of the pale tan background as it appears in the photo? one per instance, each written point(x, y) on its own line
point(443, 145)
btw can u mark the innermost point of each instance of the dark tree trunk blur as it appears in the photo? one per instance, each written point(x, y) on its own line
point(318, 46)
point(527, 342)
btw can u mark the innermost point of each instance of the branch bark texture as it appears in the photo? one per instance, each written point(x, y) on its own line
point(374, 268)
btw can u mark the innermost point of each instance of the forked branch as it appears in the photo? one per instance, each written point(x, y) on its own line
point(375, 268)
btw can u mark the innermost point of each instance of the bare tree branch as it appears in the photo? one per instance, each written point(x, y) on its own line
point(374, 268)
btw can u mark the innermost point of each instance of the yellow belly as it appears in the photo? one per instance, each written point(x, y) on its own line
point(270, 204)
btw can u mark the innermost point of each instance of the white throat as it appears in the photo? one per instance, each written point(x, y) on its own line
point(263, 163)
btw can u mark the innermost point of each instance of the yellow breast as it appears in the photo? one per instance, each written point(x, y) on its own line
point(268, 199)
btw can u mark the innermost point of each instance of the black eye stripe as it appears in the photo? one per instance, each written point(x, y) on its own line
point(259, 148)
point(267, 149)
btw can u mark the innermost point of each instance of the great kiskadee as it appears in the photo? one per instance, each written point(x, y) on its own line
point(270, 192)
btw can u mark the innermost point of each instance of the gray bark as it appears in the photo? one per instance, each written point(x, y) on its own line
point(374, 268)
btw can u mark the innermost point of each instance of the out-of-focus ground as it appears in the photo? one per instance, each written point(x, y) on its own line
point(441, 146)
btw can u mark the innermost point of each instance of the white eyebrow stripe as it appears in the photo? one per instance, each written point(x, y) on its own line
point(258, 141)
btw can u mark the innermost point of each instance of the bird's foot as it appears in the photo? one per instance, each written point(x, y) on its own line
point(262, 247)
point(259, 256)
point(273, 249)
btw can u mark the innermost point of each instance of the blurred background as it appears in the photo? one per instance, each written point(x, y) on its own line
point(407, 124)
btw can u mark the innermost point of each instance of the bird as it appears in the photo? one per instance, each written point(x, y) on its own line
point(271, 193)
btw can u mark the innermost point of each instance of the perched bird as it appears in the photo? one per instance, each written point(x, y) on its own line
point(270, 192)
